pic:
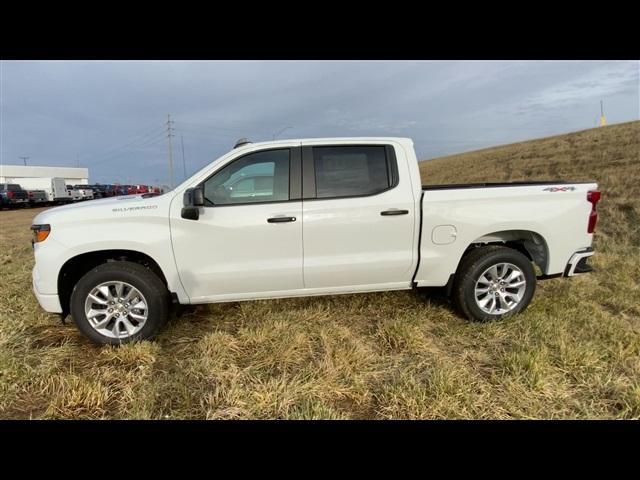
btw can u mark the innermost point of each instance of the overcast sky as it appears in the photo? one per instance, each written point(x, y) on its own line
point(110, 116)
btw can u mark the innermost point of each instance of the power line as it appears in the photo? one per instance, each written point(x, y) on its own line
point(277, 134)
point(150, 143)
point(227, 124)
point(120, 150)
point(191, 125)
point(149, 130)
point(123, 150)
point(209, 128)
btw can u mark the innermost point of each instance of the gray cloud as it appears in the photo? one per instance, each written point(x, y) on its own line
point(111, 114)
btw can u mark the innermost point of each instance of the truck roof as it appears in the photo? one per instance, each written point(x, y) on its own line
point(330, 140)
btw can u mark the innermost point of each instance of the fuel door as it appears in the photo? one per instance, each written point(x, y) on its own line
point(444, 234)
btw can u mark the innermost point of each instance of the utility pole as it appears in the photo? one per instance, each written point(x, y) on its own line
point(603, 119)
point(184, 165)
point(24, 159)
point(169, 135)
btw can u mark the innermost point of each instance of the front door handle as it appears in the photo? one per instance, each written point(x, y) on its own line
point(281, 219)
point(394, 211)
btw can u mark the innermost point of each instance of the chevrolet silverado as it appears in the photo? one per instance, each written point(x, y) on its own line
point(307, 217)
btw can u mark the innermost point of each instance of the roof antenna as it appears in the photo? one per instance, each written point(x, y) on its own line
point(242, 141)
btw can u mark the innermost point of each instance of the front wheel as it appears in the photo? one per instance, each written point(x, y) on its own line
point(493, 282)
point(119, 302)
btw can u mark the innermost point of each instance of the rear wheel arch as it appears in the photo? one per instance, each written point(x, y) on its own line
point(530, 244)
point(74, 268)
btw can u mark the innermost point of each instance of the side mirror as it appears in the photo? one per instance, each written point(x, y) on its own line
point(193, 197)
point(190, 213)
point(192, 200)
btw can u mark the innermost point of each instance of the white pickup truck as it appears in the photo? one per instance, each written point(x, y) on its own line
point(307, 217)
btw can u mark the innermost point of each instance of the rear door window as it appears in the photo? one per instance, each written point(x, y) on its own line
point(350, 171)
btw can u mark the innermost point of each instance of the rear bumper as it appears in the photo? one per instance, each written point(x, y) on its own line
point(578, 263)
point(49, 302)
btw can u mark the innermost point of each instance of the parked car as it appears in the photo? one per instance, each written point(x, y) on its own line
point(109, 190)
point(37, 198)
point(54, 187)
point(121, 190)
point(74, 193)
point(12, 194)
point(96, 190)
point(86, 191)
point(338, 216)
point(126, 189)
point(139, 189)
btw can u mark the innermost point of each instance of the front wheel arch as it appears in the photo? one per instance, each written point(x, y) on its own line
point(74, 268)
point(149, 299)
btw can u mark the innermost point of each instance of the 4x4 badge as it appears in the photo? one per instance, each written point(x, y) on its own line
point(558, 189)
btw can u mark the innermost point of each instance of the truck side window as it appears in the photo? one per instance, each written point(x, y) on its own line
point(256, 177)
point(349, 171)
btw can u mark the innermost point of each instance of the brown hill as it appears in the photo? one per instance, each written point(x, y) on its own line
point(610, 155)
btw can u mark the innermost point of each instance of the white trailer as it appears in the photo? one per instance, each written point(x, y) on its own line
point(55, 187)
point(71, 175)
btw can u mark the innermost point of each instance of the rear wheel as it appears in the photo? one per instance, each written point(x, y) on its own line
point(119, 302)
point(493, 282)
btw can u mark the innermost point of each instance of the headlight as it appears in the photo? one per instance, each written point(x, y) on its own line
point(40, 232)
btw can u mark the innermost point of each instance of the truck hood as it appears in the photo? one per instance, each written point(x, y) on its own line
point(108, 208)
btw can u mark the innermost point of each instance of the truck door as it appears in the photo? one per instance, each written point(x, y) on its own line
point(247, 242)
point(358, 217)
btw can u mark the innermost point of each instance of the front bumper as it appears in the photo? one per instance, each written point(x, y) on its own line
point(578, 263)
point(49, 302)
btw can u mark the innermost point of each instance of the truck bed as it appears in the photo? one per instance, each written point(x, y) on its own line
point(552, 214)
point(450, 186)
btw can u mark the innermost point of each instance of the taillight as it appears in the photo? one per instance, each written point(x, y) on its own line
point(593, 197)
point(9, 194)
point(30, 194)
point(40, 232)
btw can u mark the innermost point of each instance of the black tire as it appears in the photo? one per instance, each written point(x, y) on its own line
point(134, 274)
point(473, 265)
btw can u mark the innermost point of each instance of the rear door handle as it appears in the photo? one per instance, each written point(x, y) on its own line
point(394, 211)
point(281, 219)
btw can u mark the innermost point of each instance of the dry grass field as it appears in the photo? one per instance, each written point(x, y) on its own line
point(575, 353)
